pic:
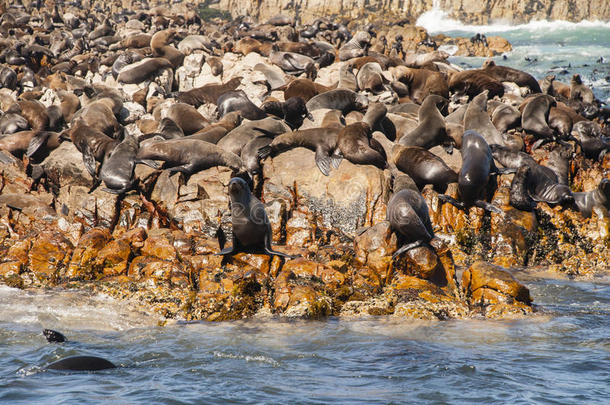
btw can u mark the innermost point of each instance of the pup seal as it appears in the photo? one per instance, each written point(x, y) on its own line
point(251, 226)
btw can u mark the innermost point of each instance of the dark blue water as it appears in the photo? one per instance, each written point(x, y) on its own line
point(559, 356)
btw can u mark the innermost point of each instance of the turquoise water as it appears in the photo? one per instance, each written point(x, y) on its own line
point(561, 355)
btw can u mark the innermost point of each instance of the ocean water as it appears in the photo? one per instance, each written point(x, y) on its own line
point(540, 48)
point(560, 355)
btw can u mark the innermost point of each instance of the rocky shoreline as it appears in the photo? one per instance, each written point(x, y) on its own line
point(156, 245)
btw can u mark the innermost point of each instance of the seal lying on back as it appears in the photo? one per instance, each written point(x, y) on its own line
point(251, 227)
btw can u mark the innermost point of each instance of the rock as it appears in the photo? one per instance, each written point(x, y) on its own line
point(160, 244)
point(98, 208)
point(84, 263)
point(64, 166)
point(351, 197)
point(50, 253)
point(485, 283)
point(374, 247)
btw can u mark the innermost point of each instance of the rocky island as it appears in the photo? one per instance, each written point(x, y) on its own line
point(155, 242)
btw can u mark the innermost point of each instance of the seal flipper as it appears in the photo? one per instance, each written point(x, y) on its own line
point(270, 251)
point(188, 168)
point(504, 170)
point(488, 207)
point(335, 160)
point(407, 247)
point(37, 141)
point(323, 161)
point(53, 336)
point(445, 198)
point(264, 152)
point(89, 160)
point(149, 163)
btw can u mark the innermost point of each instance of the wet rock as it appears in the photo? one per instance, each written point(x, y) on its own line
point(487, 285)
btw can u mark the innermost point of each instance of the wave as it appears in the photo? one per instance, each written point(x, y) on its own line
point(436, 21)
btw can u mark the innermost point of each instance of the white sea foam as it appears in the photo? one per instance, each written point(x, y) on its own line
point(437, 20)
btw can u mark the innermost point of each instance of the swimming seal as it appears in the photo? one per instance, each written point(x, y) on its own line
point(251, 226)
point(81, 363)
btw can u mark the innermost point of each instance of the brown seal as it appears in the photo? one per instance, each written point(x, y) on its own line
point(477, 119)
point(508, 74)
point(355, 141)
point(251, 226)
point(473, 82)
point(370, 78)
point(35, 113)
point(421, 82)
point(554, 88)
point(535, 114)
point(161, 48)
point(189, 155)
point(423, 167)
point(216, 131)
point(208, 93)
point(580, 91)
point(304, 88)
point(215, 64)
point(143, 70)
point(187, 118)
point(431, 129)
point(408, 215)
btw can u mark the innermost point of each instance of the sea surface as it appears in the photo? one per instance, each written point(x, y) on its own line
point(560, 355)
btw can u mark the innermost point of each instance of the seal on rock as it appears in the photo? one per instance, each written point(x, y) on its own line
point(251, 226)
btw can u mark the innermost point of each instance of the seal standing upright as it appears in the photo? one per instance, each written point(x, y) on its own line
point(251, 227)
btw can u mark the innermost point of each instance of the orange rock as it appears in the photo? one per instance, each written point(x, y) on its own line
point(160, 244)
point(486, 275)
point(50, 253)
point(374, 247)
point(83, 264)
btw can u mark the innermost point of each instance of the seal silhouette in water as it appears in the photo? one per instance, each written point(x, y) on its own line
point(251, 227)
point(75, 363)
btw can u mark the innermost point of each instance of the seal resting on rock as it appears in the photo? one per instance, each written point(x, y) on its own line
point(251, 227)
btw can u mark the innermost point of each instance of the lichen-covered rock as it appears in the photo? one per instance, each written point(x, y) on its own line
point(374, 247)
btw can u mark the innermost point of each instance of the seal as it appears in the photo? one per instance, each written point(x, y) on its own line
point(118, 167)
point(408, 215)
point(519, 196)
point(338, 99)
point(143, 70)
point(189, 155)
point(93, 144)
point(81, 363)
point(8, 78)
point(19, 143)
point(322, 141)
point(589, 135)
point(34, 112)
point(508, 74)
point(53, 336)
point(216, 131)
point(421, 82)
point(293, 111)
point(186, 117)
point(477, 119)
point(550, 86)
point(579, 91)
point(473, 82)
point(423, 167)
point(370, 78)
point(474, 177)
point(431, 130)
point(304, 88)
point(239, 101)
point(161, 48)
point(291, 62)
point(235, 140)
point(208, 93)
point(505, 117)
point(11, 123)
point(597, 200)
point(251, 226)
point(99, 115)
point(355, 141)
point(534, 117)
point(356, 46)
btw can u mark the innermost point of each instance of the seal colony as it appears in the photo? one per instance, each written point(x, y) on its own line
point(147, 100)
